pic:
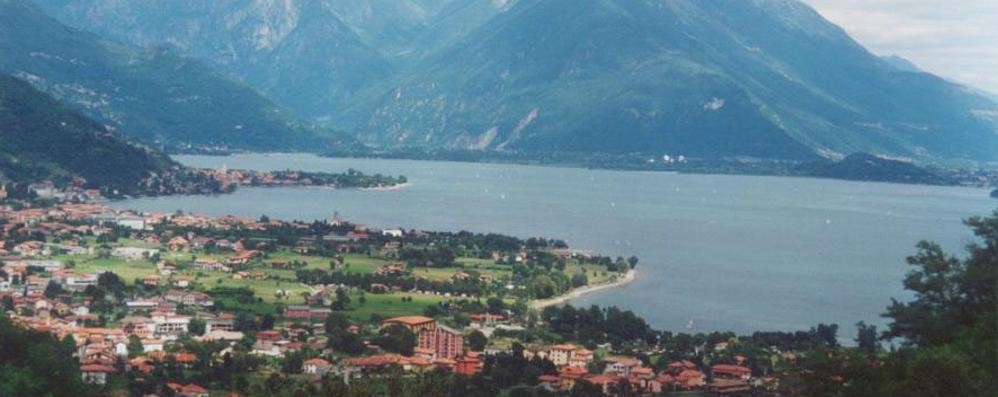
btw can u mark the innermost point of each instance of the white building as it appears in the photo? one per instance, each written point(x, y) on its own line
point(133, 253)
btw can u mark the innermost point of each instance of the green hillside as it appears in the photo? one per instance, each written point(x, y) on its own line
point(42, 140)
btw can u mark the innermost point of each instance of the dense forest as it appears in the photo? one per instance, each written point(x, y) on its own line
point(36, 364)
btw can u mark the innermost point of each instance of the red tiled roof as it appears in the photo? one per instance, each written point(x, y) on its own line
point(317, 362)
point(728, 369)
point(409, 320)
point(97, 368)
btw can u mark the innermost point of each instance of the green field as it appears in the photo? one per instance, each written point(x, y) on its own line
point(391, 305)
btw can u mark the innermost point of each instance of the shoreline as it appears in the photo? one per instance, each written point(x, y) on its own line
point(628, 278)
point(626, 167)
point(398, 186)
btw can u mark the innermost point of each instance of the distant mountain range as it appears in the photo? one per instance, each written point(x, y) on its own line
point(703, 79)
point(148, 93)
point(42, 140)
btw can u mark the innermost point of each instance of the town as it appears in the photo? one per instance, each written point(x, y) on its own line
point(140, 294)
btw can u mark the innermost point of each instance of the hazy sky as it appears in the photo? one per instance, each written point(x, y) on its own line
point(956, 39)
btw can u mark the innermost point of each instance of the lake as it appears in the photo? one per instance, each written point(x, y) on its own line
point(739, 253)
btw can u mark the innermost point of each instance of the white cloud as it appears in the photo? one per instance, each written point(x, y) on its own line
point(956, 39)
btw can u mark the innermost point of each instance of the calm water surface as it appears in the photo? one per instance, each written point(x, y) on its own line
point(733, 253)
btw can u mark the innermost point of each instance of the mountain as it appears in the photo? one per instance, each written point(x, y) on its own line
point(902, 64)
point(761, 78)
point(314, 56)
point(704, 79)
point(148, 93)
point(42, 140)
point(297, 52)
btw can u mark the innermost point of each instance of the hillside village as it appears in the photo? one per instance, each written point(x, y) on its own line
point(336, 300)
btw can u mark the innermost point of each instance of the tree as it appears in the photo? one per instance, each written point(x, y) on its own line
point(345, 342)
point(583, 388)
point(632, 261)
point(342, 299)
point(267, 321)
point(336, 322)
point(135, 347)
point(477, 340)
point(396, 339)
point(867, 338)
point(933, 317)
point(196, 327)
point(110, 282)
point(53, 289)
point(36, 364)
point(495, 305)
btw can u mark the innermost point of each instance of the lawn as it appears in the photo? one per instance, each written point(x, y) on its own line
point(128, 271)
point(265, 289)
point(391, 305)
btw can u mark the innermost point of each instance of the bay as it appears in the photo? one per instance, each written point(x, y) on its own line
point(730, 253)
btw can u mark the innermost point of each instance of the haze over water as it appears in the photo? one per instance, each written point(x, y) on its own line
point(736, 253)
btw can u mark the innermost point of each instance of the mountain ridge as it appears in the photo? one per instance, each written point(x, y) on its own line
point(149, 93)
point(754, 78)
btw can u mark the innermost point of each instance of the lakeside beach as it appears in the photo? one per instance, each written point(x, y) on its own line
point(629, 277)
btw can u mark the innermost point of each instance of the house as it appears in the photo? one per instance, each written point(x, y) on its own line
point(191, 390)
point(142, 327)
point(31, 249)
point(581, 358)
point(569, 375)
point(96, 373)
point(316, 366)
point(133, 253)
point(469, 365)
point(394, 269)
point(179, 244)
point(560, 354)
point(728, 386)
point(210, 265)
point(152, 345)
point(256, 276)
point(306, 313)
point(395, 233)
point(727, 371)
point(190, 298)
point(243, 258)
point(675, 367)
point(151, 280)
point(171, 325)
point(131, 222)
point(182, 281)
point(621, 366)
point(224, 322)
point(690, 379)
point(268, 336)
point(445, 342)
point(603, 382)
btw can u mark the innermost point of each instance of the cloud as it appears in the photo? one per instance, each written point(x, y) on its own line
point(954, 39)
